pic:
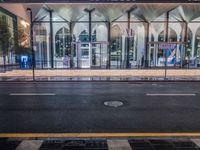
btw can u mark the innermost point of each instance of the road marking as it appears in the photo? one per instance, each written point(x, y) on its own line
point(32, 94)
point(196, 141)
point(118, 145)
point(77, 135)
point(170, 94)
point(29, 145)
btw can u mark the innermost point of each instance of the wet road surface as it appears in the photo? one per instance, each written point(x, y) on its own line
point(78, 107)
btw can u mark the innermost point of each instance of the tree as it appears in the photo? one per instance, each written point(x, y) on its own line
point(22, 46)
point(13, 41)
point(5, 38)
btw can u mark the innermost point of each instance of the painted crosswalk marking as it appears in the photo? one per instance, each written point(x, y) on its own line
point(29, 145)
point(196, 141)
point(118, 145)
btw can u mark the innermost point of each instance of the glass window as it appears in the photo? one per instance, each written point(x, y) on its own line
point(62, 41)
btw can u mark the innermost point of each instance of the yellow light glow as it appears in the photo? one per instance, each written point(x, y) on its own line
point(24, 23)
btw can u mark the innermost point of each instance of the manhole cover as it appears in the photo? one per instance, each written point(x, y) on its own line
point(113, 103)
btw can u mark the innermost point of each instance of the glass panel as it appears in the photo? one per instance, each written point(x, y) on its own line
point(15, 52)
point(81, 31)
point(99, 55)
point(118, 45)
point(197, 43)
point(137, 44)
point(104, 55)
point(157, 35)
point(81, 55)
point(171, 55)
point(83, 51)
point(7, 53)
point(99, 32)
point(62, 52)
point(42, 45)
point(97, 16)
point(161, 55)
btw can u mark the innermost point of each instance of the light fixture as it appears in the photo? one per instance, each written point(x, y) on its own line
point(24, 23)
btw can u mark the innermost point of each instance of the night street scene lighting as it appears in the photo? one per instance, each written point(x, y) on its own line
point(99, 75)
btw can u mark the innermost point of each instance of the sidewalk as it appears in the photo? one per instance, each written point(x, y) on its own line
point(101, 74)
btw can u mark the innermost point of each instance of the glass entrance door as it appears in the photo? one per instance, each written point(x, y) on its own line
point(99, 55)
point(89, 55)
point(161, 56)
point(83, 52)
point(81, 55)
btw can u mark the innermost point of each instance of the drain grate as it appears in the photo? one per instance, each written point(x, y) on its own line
point(114, 103)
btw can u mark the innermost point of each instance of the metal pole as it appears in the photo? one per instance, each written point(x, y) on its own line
point(90, 36)
point(77, 55)
point(71, 48)
point(185, 49)
point(166, 40)
point(147, 47)
point(32, 50)
point(90, 26)
point(128, 40)
point(100, 55)
point(165, 64)
point(109, 46)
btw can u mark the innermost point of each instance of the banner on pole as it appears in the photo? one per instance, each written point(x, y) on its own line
point(166, 46)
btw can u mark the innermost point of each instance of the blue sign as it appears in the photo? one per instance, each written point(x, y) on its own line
point(24, 62)
point(171, 56)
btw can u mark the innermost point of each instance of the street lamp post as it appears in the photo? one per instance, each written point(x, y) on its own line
point(31, 36)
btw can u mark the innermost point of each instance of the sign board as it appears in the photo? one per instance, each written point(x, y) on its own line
point(166, 46)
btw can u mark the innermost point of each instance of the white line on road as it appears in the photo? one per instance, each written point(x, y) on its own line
point(118, 145)
point(170, 94)
point(196, 141)
point(32, 94)
point(29, 145)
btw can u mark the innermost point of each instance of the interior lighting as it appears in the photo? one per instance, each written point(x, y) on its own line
point(24, 23)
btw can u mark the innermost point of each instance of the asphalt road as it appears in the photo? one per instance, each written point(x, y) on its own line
point(78, 107)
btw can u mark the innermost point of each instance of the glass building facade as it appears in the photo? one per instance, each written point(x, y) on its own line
point(112, 36)
point(13, 29)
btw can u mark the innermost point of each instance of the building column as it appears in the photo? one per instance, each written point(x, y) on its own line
point(71, 40)
point(183, 46)
point(193, 44)
point(90, 22)
point(90, 26)
point(186, 32)
point(167, 27)
point(146, 61)
point(109, 45)
point(51, 39)
point(166, 36)
point(90, 37)
point(155, 53)
point(128, 40)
